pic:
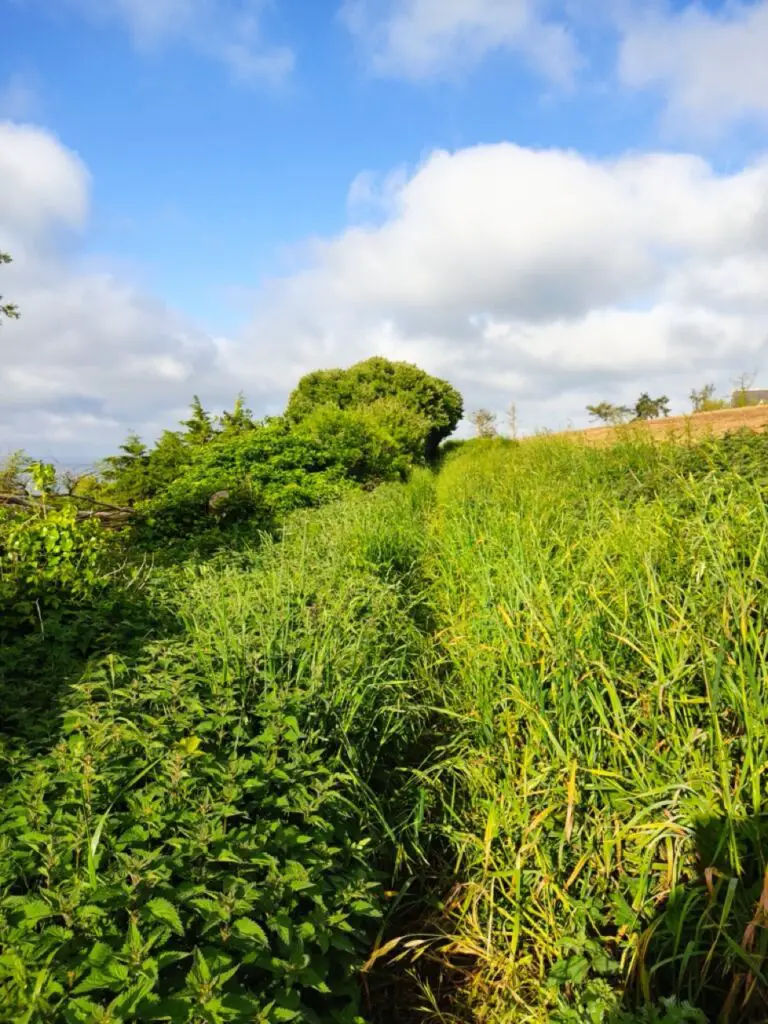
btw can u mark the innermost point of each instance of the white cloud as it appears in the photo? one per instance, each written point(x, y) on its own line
point(535, 275)
point(231, 34)
point(43, 186)
point(91, 356)
point(420, 38)
point(541, 277)
point(711, 66)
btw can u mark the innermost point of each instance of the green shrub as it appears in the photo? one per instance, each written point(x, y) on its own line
point(49, 562)
point(369, 382)
point(180, 857)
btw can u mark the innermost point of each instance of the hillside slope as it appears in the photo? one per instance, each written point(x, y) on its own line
point(713, 424)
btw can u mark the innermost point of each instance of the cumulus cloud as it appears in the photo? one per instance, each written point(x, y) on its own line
point(420, 38)
point(710, 65)
point(92, 355)
point(535, 276)
point(231, 34)
point(540, 277)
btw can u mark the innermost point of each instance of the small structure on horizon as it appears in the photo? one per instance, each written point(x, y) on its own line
point(750, 396)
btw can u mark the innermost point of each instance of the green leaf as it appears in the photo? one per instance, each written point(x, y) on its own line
point(281, 925)
point(165, 911)
point(249, 929)
point(173, 1008)
point(100, 954)
point(200, 970)
point(577, 969)
point(36, 910)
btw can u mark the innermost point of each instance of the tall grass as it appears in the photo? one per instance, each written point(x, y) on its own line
point(604, 616)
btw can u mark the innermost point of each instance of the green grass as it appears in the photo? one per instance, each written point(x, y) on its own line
point(605, 619)
point(500, 732)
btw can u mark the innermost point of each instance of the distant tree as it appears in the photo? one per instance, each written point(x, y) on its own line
point(742, 385)
point(126, 475)
point(700, 398)
point(199, 428)
point(512, 419)
point(484, 422)
point(12, 470)
point(366, 383)
point(607, 412)
point(704, 399)
point(7, 309)
point(647, 408)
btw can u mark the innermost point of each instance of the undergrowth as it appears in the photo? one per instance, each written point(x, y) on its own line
point(489, 746)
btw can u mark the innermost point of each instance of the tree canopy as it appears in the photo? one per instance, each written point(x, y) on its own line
point(379, 384)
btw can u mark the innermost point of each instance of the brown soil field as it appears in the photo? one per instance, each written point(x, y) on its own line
point(714, 424)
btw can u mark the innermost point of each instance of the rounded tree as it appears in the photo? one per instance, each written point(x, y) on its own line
point(368, 384)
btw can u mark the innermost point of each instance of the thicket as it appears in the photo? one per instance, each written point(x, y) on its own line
point(197, 827)
point(342, 429)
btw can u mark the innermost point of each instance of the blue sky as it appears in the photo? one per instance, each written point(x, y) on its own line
point(241, 182)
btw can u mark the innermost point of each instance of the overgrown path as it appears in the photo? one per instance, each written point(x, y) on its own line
point(500, 732)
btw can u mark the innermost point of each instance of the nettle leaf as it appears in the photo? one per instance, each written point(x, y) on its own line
point(34, 910)
point(127, 1002)
point(82, 1011)
point(577, 969)
point(164, 911)
point(250, 929)
point(175, 1009)
point(281, 925)
point(100, 954)
point(200, 971)
point(170, 956)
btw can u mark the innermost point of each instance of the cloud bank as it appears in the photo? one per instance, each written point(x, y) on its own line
point(92, 356)
point(535, 276)
point(542, 277)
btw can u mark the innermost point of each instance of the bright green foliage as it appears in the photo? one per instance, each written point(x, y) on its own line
point(271, 470)
point(49, 564)
point(199, 428)
point(239, 421)
point(200, 843)
point(237, 470)
point(518, 706)
point(365, 383)
point(358, 441)
point(179, 857)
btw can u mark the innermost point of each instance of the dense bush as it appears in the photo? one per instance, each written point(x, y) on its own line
point(272, 470)
point(200, 841)
point(180, 857)
point(50, 564)
point(436, 403)
point(359, 427)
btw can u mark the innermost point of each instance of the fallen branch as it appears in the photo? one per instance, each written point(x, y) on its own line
point(110, 515)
